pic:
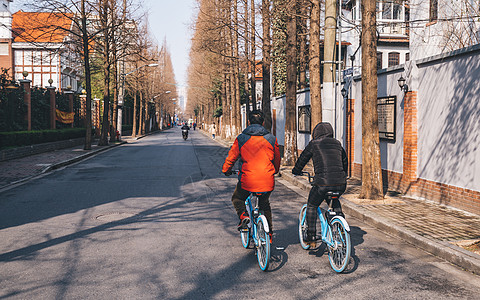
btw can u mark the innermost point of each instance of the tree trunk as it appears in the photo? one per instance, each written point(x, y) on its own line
point(88, 82)
point(135, 109)
point(142, 115)
point(290, 155)
point(252, 57)
point(314, 64)
point(303, 51)
point(266, 94)
point(247, 57)
point(106, 73)
point(237, 117)
point(372, 186)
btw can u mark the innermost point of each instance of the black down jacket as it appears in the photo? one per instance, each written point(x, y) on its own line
point(329, 157)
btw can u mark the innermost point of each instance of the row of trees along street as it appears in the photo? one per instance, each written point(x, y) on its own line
point(108, 39)
point(223, 58)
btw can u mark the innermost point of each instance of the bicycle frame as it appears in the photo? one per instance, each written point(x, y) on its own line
point(254, 214)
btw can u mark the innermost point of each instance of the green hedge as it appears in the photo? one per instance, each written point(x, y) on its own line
point(25, 138)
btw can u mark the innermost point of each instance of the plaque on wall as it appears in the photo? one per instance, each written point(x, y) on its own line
point(387, 124)
point(304, 117)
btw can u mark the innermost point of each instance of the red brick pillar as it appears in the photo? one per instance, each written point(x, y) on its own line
point(350, 134)
point(27, 99)
point(410, 142)
point(70, 102)
point(53, 114)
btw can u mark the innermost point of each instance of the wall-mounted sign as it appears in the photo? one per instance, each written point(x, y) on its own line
point(304, 119)
point(387, 122)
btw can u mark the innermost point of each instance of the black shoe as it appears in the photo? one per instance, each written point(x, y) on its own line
point(243, 224)
point(311, 241)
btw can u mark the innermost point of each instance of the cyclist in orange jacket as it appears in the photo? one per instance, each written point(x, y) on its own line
point(260, 160)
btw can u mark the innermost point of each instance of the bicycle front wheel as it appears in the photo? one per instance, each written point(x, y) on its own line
point(339, 252)
point(263, 247)
point(245, 235)
point(302, 227)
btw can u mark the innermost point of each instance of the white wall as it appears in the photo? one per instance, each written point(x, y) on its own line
point(449, 120)
point(453, 30)
point(448, 102)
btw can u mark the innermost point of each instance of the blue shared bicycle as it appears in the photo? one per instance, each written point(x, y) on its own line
point(335, 232)
point(257, 231)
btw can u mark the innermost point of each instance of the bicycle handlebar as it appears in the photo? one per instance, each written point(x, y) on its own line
point(310, 177)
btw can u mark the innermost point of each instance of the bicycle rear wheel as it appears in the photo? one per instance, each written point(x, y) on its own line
point(245, 235)
point(339, 253)
point(302, 227)
point(263, 247)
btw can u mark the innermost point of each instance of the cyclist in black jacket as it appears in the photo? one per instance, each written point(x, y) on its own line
point(330, 165)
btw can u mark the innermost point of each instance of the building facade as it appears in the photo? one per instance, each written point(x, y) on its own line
point(38, 44)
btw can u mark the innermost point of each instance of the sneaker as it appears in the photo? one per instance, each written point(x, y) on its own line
point(244, 221)
point(271, 237)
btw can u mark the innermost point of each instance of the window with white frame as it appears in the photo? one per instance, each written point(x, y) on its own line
point(390, 10)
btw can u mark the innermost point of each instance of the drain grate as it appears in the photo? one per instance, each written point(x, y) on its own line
point(114, 216)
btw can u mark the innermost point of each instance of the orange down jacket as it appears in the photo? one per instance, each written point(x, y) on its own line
point(259, 159)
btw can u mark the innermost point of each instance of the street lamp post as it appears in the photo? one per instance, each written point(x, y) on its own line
point(121, 96)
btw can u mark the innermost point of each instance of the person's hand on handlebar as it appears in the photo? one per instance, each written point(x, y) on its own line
point(296, 172)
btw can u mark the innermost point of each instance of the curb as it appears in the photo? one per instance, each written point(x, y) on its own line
point(79, 158)
point(451, 253)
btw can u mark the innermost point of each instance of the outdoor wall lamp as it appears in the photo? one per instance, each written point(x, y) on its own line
point(403, 86)
point(344, 92)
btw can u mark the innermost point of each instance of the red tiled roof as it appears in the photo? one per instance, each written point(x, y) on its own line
point(40, 27)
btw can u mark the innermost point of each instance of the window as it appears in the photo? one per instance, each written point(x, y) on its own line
point(433, 10)
point(18, 58)
point(379, 60)
point(4, 49)
point(393, 59)
point(407, 56)
point(390, 10)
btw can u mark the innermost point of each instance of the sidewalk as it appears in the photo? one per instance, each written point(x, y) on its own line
point(443, 231)
point(16, 171)
point(435, 228)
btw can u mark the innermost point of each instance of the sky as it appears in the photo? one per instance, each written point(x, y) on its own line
point(170, 20)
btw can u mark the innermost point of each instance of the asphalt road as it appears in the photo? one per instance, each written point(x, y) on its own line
point(153, 220)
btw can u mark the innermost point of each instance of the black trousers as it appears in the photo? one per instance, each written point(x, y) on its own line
point(315, 198)
point(240, 195)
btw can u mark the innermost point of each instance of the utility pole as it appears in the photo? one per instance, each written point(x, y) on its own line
point(329, 62)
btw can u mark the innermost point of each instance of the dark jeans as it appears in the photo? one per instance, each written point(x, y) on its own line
point(315, 198)
point(240, 195)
